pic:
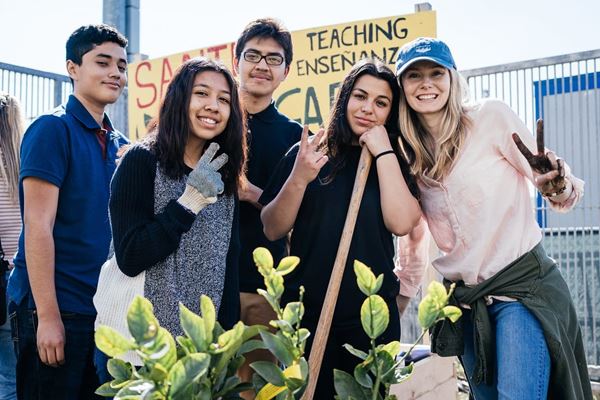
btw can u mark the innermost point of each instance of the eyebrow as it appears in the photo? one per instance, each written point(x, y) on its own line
point(365, 92)
point(204, 85)
point(103, 55)
point(273, 53)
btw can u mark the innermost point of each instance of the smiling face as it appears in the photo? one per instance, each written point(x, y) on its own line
point(210, 106)
point(369, 104)
point(101, 77)
point(427, 87)
point(261, 79)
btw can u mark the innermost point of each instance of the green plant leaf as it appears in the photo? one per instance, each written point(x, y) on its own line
point(365, 278)
point(293, 312)
point(393, 348)
point(374, 316)
point(138, 389)
point(158, 373)
point(294, 384)
point(361, 375)
point(187, 371)
point(111, 342)
point(403, 373)
point(269, 372)
point(346, 387)
point(235, 364)
point(437, 291)
point(209, 315)
point(106, 390)
point(283, 326)
point(252, 331)
point(187, 345)
point(355, 352)
point(251, 345)
point(278, 347)
point(287, 265)
point(453, 313)
point(118, 384)
point(193, 326)
point(263, 260)
point(229, 339)
point(303, 334)
point(274, 283)
point(162, 349)
point(378, 283)
point(119, 369)
point(387, 366)
point(141, 321)
point(428, 312)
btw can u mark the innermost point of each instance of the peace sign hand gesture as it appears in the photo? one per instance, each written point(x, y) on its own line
point(309, 159)
point(548, 170)
point(204, 183)
point(206, 177)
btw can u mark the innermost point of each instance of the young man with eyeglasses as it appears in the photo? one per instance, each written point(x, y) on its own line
point(263, 54)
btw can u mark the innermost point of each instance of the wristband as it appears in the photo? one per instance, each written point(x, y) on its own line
point(383, 153)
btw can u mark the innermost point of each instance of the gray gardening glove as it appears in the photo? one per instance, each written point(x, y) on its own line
point(204, 182)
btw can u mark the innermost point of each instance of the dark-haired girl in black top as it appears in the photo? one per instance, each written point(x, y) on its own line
point(310, 192)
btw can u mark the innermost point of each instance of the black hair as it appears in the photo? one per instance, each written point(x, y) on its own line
point(338, 132)
point(266, 28)
point(87, 37)
point(170, 132)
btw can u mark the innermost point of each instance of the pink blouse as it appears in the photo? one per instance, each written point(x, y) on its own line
point(481, 216)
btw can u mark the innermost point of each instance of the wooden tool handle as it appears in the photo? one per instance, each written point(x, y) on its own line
point(320, 340)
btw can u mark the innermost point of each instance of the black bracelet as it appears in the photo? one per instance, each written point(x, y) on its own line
point(383, 153)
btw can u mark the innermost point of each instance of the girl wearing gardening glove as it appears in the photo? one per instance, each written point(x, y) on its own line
point(173, 207)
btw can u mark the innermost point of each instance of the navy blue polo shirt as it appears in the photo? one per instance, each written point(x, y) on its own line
point(62, 148)
point(270, 135)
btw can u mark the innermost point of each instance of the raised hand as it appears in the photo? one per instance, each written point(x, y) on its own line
point(376, 139)
point(309, 159)
point(549, 171)
point(205, 177)
point(204, 183)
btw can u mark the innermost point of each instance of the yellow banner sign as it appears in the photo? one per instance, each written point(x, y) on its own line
point(322, 57)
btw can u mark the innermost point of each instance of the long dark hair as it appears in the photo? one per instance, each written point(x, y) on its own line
point(339, 133)
point(170, 133)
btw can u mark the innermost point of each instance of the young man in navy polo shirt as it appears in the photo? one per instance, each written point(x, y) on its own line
point(263, 54)
point(67, 161)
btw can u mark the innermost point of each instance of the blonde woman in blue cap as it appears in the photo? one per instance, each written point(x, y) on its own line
point(519, 337)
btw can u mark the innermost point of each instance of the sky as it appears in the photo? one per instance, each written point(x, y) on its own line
point(480, 33)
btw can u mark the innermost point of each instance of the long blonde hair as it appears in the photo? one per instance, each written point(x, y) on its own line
point(11, 130)
point(426, 155)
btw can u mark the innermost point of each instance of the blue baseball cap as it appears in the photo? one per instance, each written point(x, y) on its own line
point(424, 48)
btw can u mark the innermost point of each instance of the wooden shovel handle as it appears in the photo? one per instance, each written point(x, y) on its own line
point(320, 340)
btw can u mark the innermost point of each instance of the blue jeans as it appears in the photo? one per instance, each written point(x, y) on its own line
point(8, 363)
point(522, 369)
point(76, 379)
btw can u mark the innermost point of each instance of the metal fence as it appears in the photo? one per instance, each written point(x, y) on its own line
point(39, 92)
point(565, 92)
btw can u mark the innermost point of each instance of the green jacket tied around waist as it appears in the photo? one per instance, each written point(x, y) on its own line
point(535, 281)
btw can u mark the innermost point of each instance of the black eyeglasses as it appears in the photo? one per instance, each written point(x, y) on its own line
point(255, 57)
